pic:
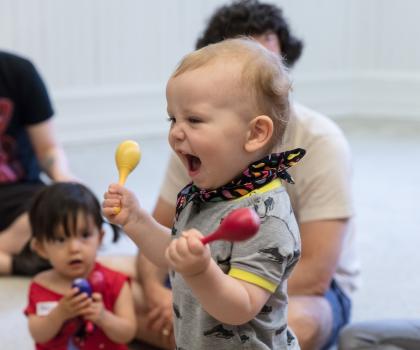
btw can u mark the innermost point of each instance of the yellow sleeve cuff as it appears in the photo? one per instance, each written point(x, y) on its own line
point(252, 278)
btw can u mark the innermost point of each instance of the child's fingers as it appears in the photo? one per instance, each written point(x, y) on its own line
point(192, 233)
point(195, 246)
point(181, 247)
point(172, 253)
point(193, 238)
point(110, 203)
point(97, 297)
point(115, 189)
point(108, 195)
point(71, 293)
point(83, 306)
point(80, 298)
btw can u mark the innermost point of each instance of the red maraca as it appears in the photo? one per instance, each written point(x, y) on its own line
point(239, 225)
point(97, 282)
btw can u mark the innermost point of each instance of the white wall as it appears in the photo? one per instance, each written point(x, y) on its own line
point(106, 61)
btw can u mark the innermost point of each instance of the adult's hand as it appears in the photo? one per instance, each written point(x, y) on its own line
point(159, 316)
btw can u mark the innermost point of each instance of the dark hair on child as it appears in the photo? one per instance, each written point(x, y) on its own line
point(250, 17)
point(58, 205)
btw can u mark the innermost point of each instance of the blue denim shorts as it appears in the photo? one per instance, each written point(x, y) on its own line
point(341, 309)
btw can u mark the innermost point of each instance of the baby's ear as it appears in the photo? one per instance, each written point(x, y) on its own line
point(259, 134)
point(38, 248)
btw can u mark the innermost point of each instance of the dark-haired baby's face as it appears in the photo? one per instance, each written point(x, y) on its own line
point(73, 253)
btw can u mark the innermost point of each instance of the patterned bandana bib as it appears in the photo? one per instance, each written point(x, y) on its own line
point(255, 176)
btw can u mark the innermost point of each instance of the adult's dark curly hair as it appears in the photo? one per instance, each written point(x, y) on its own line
point(250, 17)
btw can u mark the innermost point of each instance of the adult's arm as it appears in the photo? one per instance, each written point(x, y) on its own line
point(322, 199)
point(150, 274)
point(321, 248)
point(164, 213)
point(49, 152)
point(158, 298)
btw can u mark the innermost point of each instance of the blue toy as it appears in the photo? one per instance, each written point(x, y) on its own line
point(84, 287)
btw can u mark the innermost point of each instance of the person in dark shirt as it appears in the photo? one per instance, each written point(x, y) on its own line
point(28, 147)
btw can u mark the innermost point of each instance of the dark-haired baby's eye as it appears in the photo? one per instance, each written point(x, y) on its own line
point(59, 239)
point(86, 235)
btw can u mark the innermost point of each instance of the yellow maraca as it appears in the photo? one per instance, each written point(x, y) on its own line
point(127, 156)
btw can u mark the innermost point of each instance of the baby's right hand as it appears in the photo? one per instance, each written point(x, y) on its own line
point(120, 205)
point(73, 303)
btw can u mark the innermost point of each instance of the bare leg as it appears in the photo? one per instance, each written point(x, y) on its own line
point(5, 264)
point(311, 319)
point(128, 265)
point(12, 241)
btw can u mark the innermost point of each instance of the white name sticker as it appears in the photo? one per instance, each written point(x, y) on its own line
point(45, 307)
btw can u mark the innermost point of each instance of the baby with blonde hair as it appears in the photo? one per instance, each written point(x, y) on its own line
point(228, 105)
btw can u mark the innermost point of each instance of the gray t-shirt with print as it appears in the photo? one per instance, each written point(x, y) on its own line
point(270, 255)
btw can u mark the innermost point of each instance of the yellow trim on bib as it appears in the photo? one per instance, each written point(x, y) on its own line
point(276, 183)
point(252, 278)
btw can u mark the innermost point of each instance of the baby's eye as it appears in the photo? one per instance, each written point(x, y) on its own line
point(59, 239)
point(86, 235)
point(194, 120)
point(171, 120)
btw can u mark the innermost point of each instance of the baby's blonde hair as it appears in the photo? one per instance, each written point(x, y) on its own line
point(263, 75)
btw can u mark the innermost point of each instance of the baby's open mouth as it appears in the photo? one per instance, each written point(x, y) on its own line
point(75, 261)
point(194, 162)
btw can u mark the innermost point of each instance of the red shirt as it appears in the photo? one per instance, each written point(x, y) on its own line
point(42, 299)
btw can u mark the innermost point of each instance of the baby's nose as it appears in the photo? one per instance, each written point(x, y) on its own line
point(177, 132)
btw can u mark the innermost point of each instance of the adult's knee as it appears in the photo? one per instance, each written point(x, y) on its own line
point(349, 338)
point(311, 320)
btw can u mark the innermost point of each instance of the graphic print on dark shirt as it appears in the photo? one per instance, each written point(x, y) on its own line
point(10, 168)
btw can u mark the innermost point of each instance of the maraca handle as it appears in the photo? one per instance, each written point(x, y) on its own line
point(123, 174)
point(211, 237)
point(207, 239)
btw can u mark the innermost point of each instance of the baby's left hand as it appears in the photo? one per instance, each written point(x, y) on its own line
point(187, 255)
point(96, 310)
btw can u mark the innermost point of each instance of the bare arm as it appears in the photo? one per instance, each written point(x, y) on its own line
point(152, 237)
point(158, 298)
point(45, 328)
point(48, 151)
point(227, 299)
point(149, 274)
point(120, 325)
point(236, 301)
point(321, 248)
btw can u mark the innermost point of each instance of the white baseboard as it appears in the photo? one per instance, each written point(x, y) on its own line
point(367, 94)
point(116, 113)
point(99, 115)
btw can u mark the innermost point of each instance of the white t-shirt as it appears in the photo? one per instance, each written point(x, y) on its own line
point(322, 189)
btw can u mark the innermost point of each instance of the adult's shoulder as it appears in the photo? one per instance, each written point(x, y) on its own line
point(14, 61)
point(310, 129)
point(314, 122)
